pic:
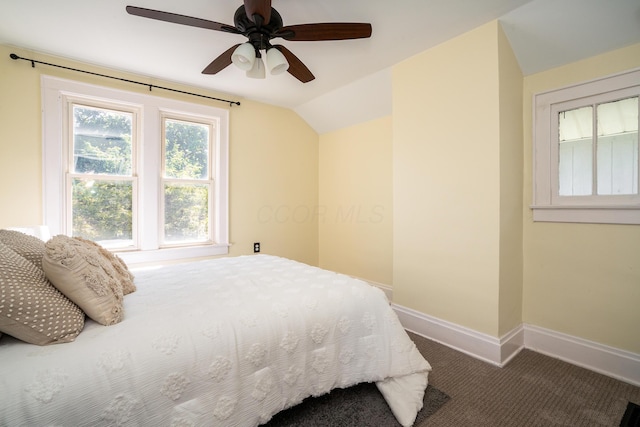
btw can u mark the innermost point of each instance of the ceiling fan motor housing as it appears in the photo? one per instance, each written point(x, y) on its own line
point(259, 34)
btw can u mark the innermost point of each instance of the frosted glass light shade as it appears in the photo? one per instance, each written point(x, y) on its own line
point(244, 56)
point(276, 62)
point(257, 71)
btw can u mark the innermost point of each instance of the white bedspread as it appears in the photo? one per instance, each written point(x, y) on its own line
point(224, 342)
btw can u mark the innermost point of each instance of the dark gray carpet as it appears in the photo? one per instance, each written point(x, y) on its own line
point(359, 406)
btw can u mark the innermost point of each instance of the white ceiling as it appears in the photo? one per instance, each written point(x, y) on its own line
point(352, 77)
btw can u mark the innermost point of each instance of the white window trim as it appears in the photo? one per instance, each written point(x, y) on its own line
point(67, 154)
point(55, 91)
point(547, 205)
point(211, 176)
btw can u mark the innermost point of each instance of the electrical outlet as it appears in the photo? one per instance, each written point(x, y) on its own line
point(256, 247)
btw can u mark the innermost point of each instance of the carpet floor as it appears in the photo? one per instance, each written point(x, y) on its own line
point(531, 390)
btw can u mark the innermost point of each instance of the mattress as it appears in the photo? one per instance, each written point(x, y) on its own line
point(221, 342)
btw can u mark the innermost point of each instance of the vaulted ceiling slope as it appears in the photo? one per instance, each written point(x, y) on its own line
point(543, 34)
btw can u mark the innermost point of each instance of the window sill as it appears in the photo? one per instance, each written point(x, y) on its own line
point(133, 258)
point(587, 214)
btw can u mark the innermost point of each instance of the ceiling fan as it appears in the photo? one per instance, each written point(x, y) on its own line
point(261, 23)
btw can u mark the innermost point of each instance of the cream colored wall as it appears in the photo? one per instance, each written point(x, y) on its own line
point(273, 157)
point(465, 248)
point(355, 211)
point(20, 148)
point(511, 159)
point(274, 182)
point(446, 170)
point(580, 279)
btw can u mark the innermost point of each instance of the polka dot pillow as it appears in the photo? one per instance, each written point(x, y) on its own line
point(29, 247)
point(31, 308)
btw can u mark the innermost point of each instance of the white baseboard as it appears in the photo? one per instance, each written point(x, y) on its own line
point(481, 346)
point(613, 362)
point(610, 361)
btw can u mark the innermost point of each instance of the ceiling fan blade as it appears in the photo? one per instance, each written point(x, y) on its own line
point(296, 68)
point(325, 31)
point(259, 7)
point(181, 19)
point(221, 62)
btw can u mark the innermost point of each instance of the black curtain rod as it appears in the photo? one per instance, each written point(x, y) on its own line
point(150, 86)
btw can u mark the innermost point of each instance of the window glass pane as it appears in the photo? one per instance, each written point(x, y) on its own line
point(186, 212)
point(186, 149)
point(102, 211)
point(101, 141)
point(575, 152)
point(618, 147)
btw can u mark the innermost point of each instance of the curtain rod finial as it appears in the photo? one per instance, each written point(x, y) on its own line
point(13, 56)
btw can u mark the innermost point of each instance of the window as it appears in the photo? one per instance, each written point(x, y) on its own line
point(187, 182)
point(101, 177)
point(586, 152)
point(142, 175)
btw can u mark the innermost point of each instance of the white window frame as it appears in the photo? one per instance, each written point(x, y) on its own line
point(67, 152)
point(56, 94)
point(547, 204)
point(209, 181)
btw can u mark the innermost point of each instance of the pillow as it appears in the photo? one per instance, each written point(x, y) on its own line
point(85, 276)
point(31, 308)
point(122, 270)
point(29, 247)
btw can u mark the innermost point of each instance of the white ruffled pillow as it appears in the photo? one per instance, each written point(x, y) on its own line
point(80, 271)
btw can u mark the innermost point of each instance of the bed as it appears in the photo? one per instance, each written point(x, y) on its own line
point(220, 342)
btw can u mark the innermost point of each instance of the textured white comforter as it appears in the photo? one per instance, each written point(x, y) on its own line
point(224, 342)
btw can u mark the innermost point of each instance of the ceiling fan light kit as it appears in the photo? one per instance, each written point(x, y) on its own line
point(276, 62)
point(261, 23)
point(248, 59)
point(244, 56)
point(257, 71)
